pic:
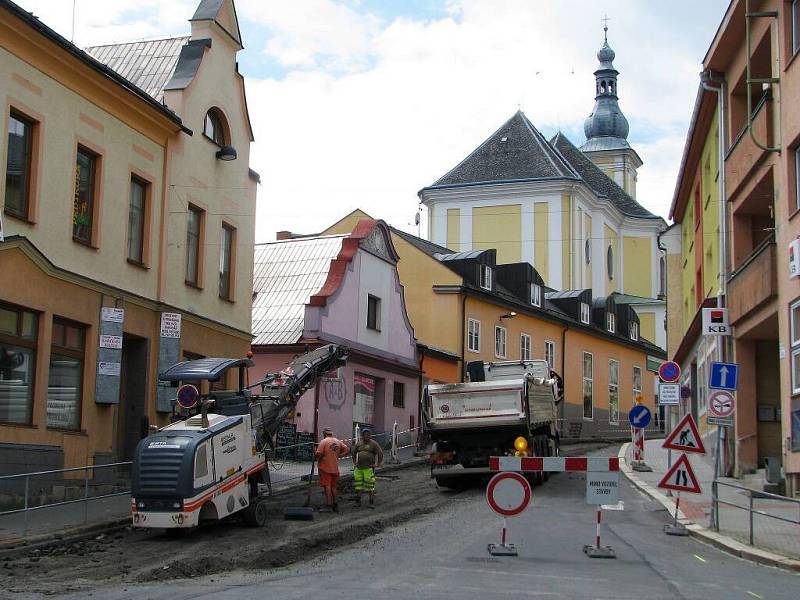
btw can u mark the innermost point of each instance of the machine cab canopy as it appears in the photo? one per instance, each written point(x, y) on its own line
point(203, 369)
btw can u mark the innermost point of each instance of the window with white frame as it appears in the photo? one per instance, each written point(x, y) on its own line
point(611, 322)
point(633, 330)
point(637, 382)
point(536, 294)
point(486, 277)
point(499, 341)
point(795, 26)
point(588, 385)
point(474, 335)
point(613, 391)
point(584, 313)
point(797, 176)
point(524, 346)
point(794, 324)
point(550, 353)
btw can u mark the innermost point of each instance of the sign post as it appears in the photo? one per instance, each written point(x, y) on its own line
point(601, 488)
point(508, 494)
point(640, 417)
point(723, 378)
point(680, 477)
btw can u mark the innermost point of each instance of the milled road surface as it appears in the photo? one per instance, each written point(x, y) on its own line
point(436, 550)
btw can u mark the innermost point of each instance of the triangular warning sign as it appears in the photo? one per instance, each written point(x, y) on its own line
point(685, 437)
point(681, 477)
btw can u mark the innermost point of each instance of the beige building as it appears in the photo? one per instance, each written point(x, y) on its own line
point(127, 230)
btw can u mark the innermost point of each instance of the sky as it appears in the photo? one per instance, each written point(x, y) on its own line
point(361, 103)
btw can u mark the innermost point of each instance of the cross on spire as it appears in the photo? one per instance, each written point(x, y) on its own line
point(605, 21)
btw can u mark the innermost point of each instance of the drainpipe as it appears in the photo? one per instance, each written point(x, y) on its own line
point(715, 82)
point(463, 332)
point(563, 373)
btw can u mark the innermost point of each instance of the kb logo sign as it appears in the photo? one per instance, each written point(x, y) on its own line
point(715, 321)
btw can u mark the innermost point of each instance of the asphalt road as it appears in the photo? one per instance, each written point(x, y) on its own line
point(442, 555)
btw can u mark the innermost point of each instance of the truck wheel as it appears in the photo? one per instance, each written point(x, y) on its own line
point(255, 515)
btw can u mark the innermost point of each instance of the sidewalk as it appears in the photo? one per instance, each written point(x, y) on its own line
point(770, 535)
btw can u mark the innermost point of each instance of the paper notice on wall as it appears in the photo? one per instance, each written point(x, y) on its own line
point(108, 368)
point(171, 325)
point(112, 315)
point(111, 341)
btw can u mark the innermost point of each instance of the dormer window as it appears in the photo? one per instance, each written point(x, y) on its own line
point(633, 330)
point(536, 294)
point(611, 322)
point(584, 313)
point(486, 277)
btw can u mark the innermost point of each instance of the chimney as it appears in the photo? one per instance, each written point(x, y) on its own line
point(283, 235)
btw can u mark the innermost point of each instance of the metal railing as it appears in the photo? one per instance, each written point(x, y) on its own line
point(779, 538)
point(50, 484)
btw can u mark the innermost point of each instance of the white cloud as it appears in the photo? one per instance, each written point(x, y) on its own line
point(369, 109)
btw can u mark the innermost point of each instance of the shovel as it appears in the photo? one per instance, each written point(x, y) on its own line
point(305, 512)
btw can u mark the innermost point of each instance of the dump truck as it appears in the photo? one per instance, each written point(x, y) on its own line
point(210, 462)
point(502, 401)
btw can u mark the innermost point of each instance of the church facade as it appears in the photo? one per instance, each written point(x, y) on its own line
point(570, 212)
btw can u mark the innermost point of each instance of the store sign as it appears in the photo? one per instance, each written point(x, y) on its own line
point(112, 315)
point(111, 341)
point(794, 258)
point(715, 321)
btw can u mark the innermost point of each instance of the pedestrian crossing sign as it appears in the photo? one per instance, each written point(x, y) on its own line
point(680, 477)
point(685, 437)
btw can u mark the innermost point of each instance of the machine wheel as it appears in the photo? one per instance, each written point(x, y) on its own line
point(449, 483)
point(255, 515)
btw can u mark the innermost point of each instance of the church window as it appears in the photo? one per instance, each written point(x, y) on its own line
point(610, 262)
point(587, 250)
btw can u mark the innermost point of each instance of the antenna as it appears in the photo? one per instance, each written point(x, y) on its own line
point(72, 36)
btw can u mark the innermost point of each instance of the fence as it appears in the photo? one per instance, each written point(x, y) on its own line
point(25, 493)
point(101, 488)
point(773, 523)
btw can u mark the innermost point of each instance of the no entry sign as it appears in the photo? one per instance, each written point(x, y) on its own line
point(508, 494)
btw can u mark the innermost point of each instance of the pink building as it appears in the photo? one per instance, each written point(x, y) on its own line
point(341, 289)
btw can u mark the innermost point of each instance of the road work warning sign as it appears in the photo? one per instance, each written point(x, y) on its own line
point(602, 488)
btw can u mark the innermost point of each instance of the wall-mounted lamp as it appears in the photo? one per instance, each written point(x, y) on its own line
point(510, 315)
point(226, 153)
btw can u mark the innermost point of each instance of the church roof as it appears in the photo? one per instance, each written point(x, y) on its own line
point(601, 184)
point(515, 152)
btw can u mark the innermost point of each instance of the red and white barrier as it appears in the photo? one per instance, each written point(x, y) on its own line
point(554, 464)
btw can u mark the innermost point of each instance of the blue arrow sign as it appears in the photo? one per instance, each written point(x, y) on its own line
point(723, 376)
point(639, 416)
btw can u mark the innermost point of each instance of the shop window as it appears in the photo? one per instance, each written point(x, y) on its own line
point(18, 335)
point(19, 165)
point(365, 388)
point(65, 383)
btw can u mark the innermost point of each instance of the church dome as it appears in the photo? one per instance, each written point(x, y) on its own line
point(606, 54)
point(606, 120)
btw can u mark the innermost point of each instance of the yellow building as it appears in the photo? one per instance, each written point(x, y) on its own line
point(469, 306)
point(125, 246)
point(693, 255)
point(571, 213)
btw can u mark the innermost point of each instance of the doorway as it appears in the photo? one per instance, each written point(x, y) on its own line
point(132, 421)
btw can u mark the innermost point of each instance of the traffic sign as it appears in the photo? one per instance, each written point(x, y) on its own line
point(680, 477)
point(723, 376)
point(187, 395)
point(669, 393)
point(685, 437)
point(602, 488)
point(508, 493)
point(721, 403)
point(639, 416)
point(721, 421)
point(669, 371)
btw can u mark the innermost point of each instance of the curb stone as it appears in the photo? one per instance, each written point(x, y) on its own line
point(718, 540)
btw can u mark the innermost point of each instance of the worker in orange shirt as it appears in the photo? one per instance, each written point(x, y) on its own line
point(328, 453)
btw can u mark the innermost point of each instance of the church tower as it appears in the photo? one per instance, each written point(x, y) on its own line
point(606, 128)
